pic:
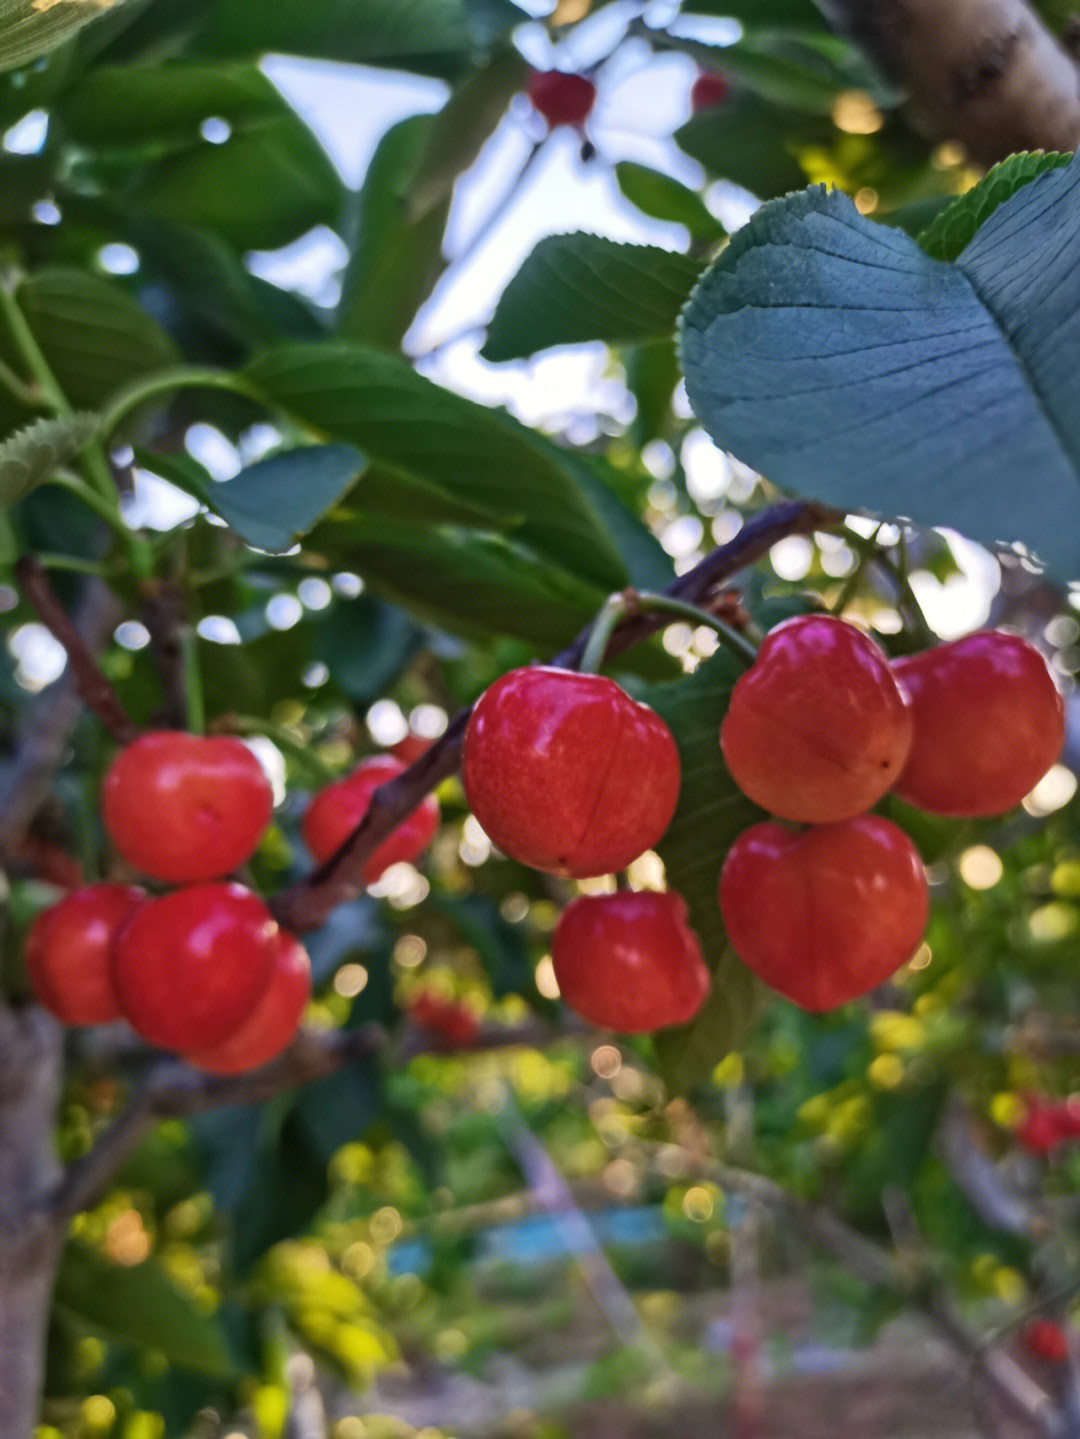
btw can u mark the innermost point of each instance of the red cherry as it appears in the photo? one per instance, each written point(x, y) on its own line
point(273, 1022)
point(817, 730)
point(185, 807)
point(708, 90)
point(1041, 1129)
point(68, 949)
point(189, 969)
point(335, 812)
point(989, 723)
point(827, 914)
point(454, 1022)
point(562, 98)
point(566, 773)
point(1044, 1339)
point(629, 961)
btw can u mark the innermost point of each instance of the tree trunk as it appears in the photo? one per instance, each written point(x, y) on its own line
point(31, 1045)
point(984, 72)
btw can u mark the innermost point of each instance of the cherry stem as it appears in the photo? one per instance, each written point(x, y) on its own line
point(627, 603)
point(193, 688)
point(92, 684)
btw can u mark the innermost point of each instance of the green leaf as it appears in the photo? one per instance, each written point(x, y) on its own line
point(955, 227)
point(476, 584)
point(504, 953)
point(365, 644)
point(405, 422)
point(458, 132)
point(578, 288)
point(95, 337)
point(336, 1110)
point(29, 28)
point(836, 357)
point(777, 70)
point(428, 36)
point(763, 14)
point(31, 456)
point(142, 1306)
point(664, 198)
point(712, 812)
point(754, 143)
point(272, 503)
point(652, 373)
point(395, 256)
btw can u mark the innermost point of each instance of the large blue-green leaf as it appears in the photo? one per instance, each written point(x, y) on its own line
point(846, 364)
point(407, 424)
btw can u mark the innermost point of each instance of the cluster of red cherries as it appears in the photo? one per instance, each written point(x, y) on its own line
point(566, 773)
point(203, 970)
point(565, 98)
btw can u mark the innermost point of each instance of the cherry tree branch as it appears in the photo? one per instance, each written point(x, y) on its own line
point(91, 684)
point(987, 73)
point(307, 904)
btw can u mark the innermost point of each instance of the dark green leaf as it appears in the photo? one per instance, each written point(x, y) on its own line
point(404, 421)
point(477, 584)
point(272, 503)
point(365, 644)
point(578, 288)
point(753, 143)
point(289, 1184)
point(838, 358)
point(955, 227)
point(665, 198)
point(428, 36)
point(336, 1110)
point(31, 456)
point(94, 335)
point(140, 1304)
point(763, 14)
point(457, 133)
point(652, 373)
point(778, 71)
point(647, 562)
point(501, 945)
point(712, 812)
point(29, 28)
point(396, 256)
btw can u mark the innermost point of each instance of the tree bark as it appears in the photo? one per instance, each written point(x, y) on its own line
point(31, 1046)
point(986, 73)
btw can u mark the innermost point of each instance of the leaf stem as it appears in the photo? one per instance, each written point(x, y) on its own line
point(180, 377)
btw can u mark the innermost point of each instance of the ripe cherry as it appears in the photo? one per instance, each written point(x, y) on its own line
point(190, 968)
point(272, 1024)
point(708, 90)
point(818, 729)
point(827, 914)
point(452, 1021)
point(184, 807)
point(989, 723)
point(335, 812)
point(629, 961)
point(68, 952)
point(566, 773)
point(1045, 1339)
point(562, 98)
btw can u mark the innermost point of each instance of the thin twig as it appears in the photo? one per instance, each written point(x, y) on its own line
point(93, 687)
point(307, 904)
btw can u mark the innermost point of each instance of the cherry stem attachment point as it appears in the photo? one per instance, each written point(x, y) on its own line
point(627, 604)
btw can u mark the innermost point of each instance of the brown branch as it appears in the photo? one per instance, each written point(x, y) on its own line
point(46, 725)
point(306, 904)
point(984, 72)
point(172, 1089)
point(91, 684)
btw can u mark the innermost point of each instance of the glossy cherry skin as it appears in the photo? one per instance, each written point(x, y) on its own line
point(184, 807)
point(68, 952)
point(562, 98)
point(272, 1024)
point(708, 90)
point(827, 914)
point(818, 728)
point(335, 812)
point(629, 961)
point(568, 774)
point(989, 723)
point(190, 968)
